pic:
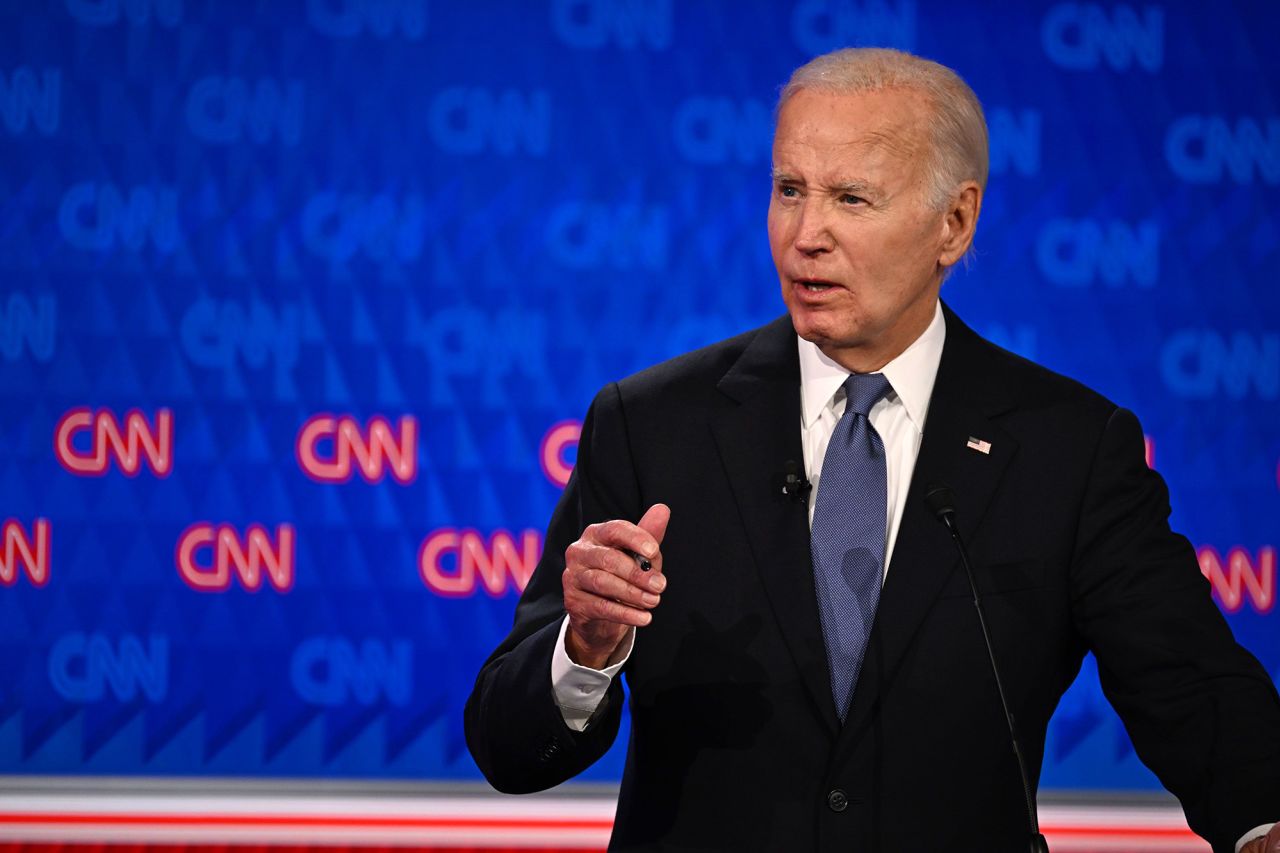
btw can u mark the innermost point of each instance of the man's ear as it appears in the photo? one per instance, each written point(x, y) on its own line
point(960, 222)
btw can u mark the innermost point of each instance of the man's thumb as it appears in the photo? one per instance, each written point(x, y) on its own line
point(654, 521)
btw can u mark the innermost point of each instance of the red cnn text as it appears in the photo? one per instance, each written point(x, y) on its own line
point(559, 439)
point(208, 554)
point(31, 549)
point(85, 442)
point(1239, 578)
point(457, 563)
point(330, 448)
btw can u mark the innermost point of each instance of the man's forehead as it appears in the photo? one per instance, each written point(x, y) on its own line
point(893, 121)
point(839, 160)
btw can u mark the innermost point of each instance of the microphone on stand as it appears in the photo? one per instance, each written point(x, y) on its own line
point(942, 503)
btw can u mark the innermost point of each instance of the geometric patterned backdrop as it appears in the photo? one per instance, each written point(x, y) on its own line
point(300, 302)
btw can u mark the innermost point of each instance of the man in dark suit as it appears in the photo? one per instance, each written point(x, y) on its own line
point(814, 677)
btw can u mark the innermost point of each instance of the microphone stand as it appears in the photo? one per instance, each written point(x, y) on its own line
point(942, 502)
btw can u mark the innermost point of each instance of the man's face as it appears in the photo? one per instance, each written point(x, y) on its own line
point(854, 240)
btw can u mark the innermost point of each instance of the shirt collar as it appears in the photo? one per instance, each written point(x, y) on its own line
point(911, 374)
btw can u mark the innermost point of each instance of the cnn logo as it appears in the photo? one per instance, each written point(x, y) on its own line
point(209, 554)
point(86, 442)
point(333, 448)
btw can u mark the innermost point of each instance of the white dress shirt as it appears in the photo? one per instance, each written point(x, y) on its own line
point(898, 418)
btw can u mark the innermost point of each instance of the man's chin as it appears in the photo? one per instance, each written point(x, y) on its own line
point(817, 332)
point(838, 343)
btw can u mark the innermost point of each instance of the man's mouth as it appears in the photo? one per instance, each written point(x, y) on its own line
point(815, 285)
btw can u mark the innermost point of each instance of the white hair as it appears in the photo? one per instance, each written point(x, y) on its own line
point(957, 128)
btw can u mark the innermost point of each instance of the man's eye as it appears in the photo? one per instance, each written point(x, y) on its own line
point(847, 198)
point(788, 192)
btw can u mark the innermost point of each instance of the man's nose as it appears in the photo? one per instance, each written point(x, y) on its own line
point(813, 233)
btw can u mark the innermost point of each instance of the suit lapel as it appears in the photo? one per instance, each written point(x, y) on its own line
point(965, 398)
point(757, 439)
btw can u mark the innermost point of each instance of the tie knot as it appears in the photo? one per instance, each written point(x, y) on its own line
point(864, 390)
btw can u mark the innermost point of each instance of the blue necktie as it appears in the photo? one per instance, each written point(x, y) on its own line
point(848, 536)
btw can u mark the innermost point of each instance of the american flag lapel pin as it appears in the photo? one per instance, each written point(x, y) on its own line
point(979, 445)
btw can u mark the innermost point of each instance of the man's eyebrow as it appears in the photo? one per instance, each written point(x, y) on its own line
point(781, 177)
point(853, 187)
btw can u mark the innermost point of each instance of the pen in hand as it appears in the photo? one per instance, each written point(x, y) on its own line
point(642, 562)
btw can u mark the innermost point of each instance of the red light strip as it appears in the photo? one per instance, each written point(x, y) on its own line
point(457, 822)
point(1123, 831)
point(306, 820)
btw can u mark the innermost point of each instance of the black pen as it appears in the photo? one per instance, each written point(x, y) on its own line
point(642, 562)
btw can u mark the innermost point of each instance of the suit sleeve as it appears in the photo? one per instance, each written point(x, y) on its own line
point(514, 728)
point(1201, 711)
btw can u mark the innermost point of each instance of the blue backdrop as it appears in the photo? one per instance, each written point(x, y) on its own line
point(299, 302)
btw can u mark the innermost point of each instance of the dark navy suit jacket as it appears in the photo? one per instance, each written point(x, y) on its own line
point(735, 742)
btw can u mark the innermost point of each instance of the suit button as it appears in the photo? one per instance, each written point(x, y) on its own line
point(837, 800)
point(548, 751)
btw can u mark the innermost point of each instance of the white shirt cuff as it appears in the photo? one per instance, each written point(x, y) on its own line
point(580, 689)
point(1253, 835)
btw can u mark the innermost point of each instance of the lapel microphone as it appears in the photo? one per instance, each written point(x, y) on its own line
point(942, 503)
point(791, 483)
